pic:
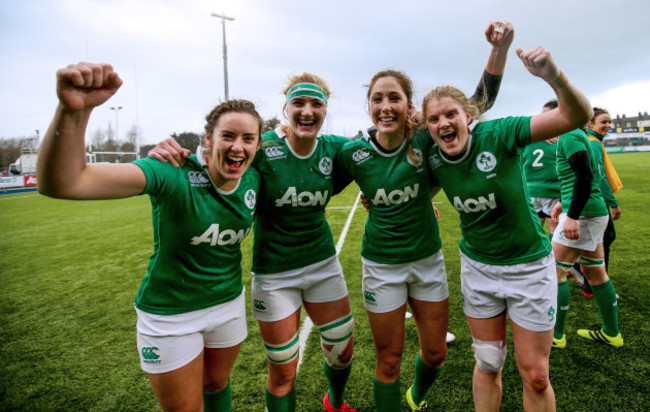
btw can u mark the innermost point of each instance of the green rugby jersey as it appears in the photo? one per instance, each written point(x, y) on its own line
point(486, 187)
point(196, 262)
point(569, 144)
point(290, 229)
point(539, 169)
point(401, 226)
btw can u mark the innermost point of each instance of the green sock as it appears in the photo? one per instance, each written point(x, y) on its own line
point(218, 401)
point(424, 379)
point(336, 379)
point(286, 403)
point(563, 299)
point(607, 304)
point(387, 396)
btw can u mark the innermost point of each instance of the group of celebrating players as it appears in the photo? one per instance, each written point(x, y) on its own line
point(191, 311)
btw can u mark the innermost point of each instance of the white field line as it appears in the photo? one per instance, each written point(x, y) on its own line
point(307, 324)
point(17, 197)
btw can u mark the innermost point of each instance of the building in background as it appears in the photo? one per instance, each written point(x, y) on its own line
point(629, 134)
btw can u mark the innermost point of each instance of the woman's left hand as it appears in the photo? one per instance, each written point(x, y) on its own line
point(540, 63)
point(555, 212)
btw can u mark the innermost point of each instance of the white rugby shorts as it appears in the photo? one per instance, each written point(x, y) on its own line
point(386, 287)
point(592, 230)
point(169, 342)
point(278, 295)
point(528, 291)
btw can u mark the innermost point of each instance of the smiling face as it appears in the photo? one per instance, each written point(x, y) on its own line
point(233, 142)
point(448, 124)
point(306, 116)
point(601, 123)
point(389, 106)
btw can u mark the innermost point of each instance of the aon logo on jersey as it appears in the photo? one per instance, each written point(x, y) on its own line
point(214, 236)
point(475, 205)
point(396, 196)
point(302, 199)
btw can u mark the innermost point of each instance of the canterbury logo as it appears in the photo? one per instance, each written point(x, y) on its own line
point(273, 152)
point(148, 353)
point(197, 178)
point(360, 155)
point(259, 304)
point(369, 296)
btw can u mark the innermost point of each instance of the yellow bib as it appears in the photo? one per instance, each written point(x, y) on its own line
point(612, 177)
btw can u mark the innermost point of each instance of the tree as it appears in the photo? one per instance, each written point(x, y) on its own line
point(97, 142)
point(188, 140)
point(132, 136)
point(270, 124)
point(145, 149)
point(9, 151)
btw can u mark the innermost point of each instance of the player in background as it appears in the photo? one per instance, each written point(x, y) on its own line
point(507, 264)
point(610, 183)
point(579, 237)
point(190, 307)
point(597, 128)
point(538, 162)
point(543, 185)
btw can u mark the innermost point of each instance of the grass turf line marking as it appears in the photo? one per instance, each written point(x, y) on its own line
point(308, 324)
point(17, 197)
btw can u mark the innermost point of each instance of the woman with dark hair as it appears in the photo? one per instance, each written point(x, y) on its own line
point(190, 307)
point(583, 217)
point(597, 128)
point(401, 251)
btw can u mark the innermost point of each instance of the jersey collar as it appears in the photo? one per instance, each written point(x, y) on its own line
point(283, 136)
point(465, 154)
point(370, 137)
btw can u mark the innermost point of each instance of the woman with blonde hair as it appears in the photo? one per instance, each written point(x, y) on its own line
point(401, 251)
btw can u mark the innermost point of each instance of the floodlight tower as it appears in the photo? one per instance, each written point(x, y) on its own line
point(117, 110)
point(223, 18)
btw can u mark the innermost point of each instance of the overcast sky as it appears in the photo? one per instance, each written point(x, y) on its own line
point(169, 54)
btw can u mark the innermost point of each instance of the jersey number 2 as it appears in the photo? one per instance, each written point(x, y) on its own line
point(539, 153)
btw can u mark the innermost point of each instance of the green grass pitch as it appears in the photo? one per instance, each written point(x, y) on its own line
point(69, 272)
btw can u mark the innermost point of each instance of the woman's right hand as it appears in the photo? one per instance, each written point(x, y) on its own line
point(169, 151)
point(571, 228)
point(365, 202)
point(500, 33)
point(83, 86)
